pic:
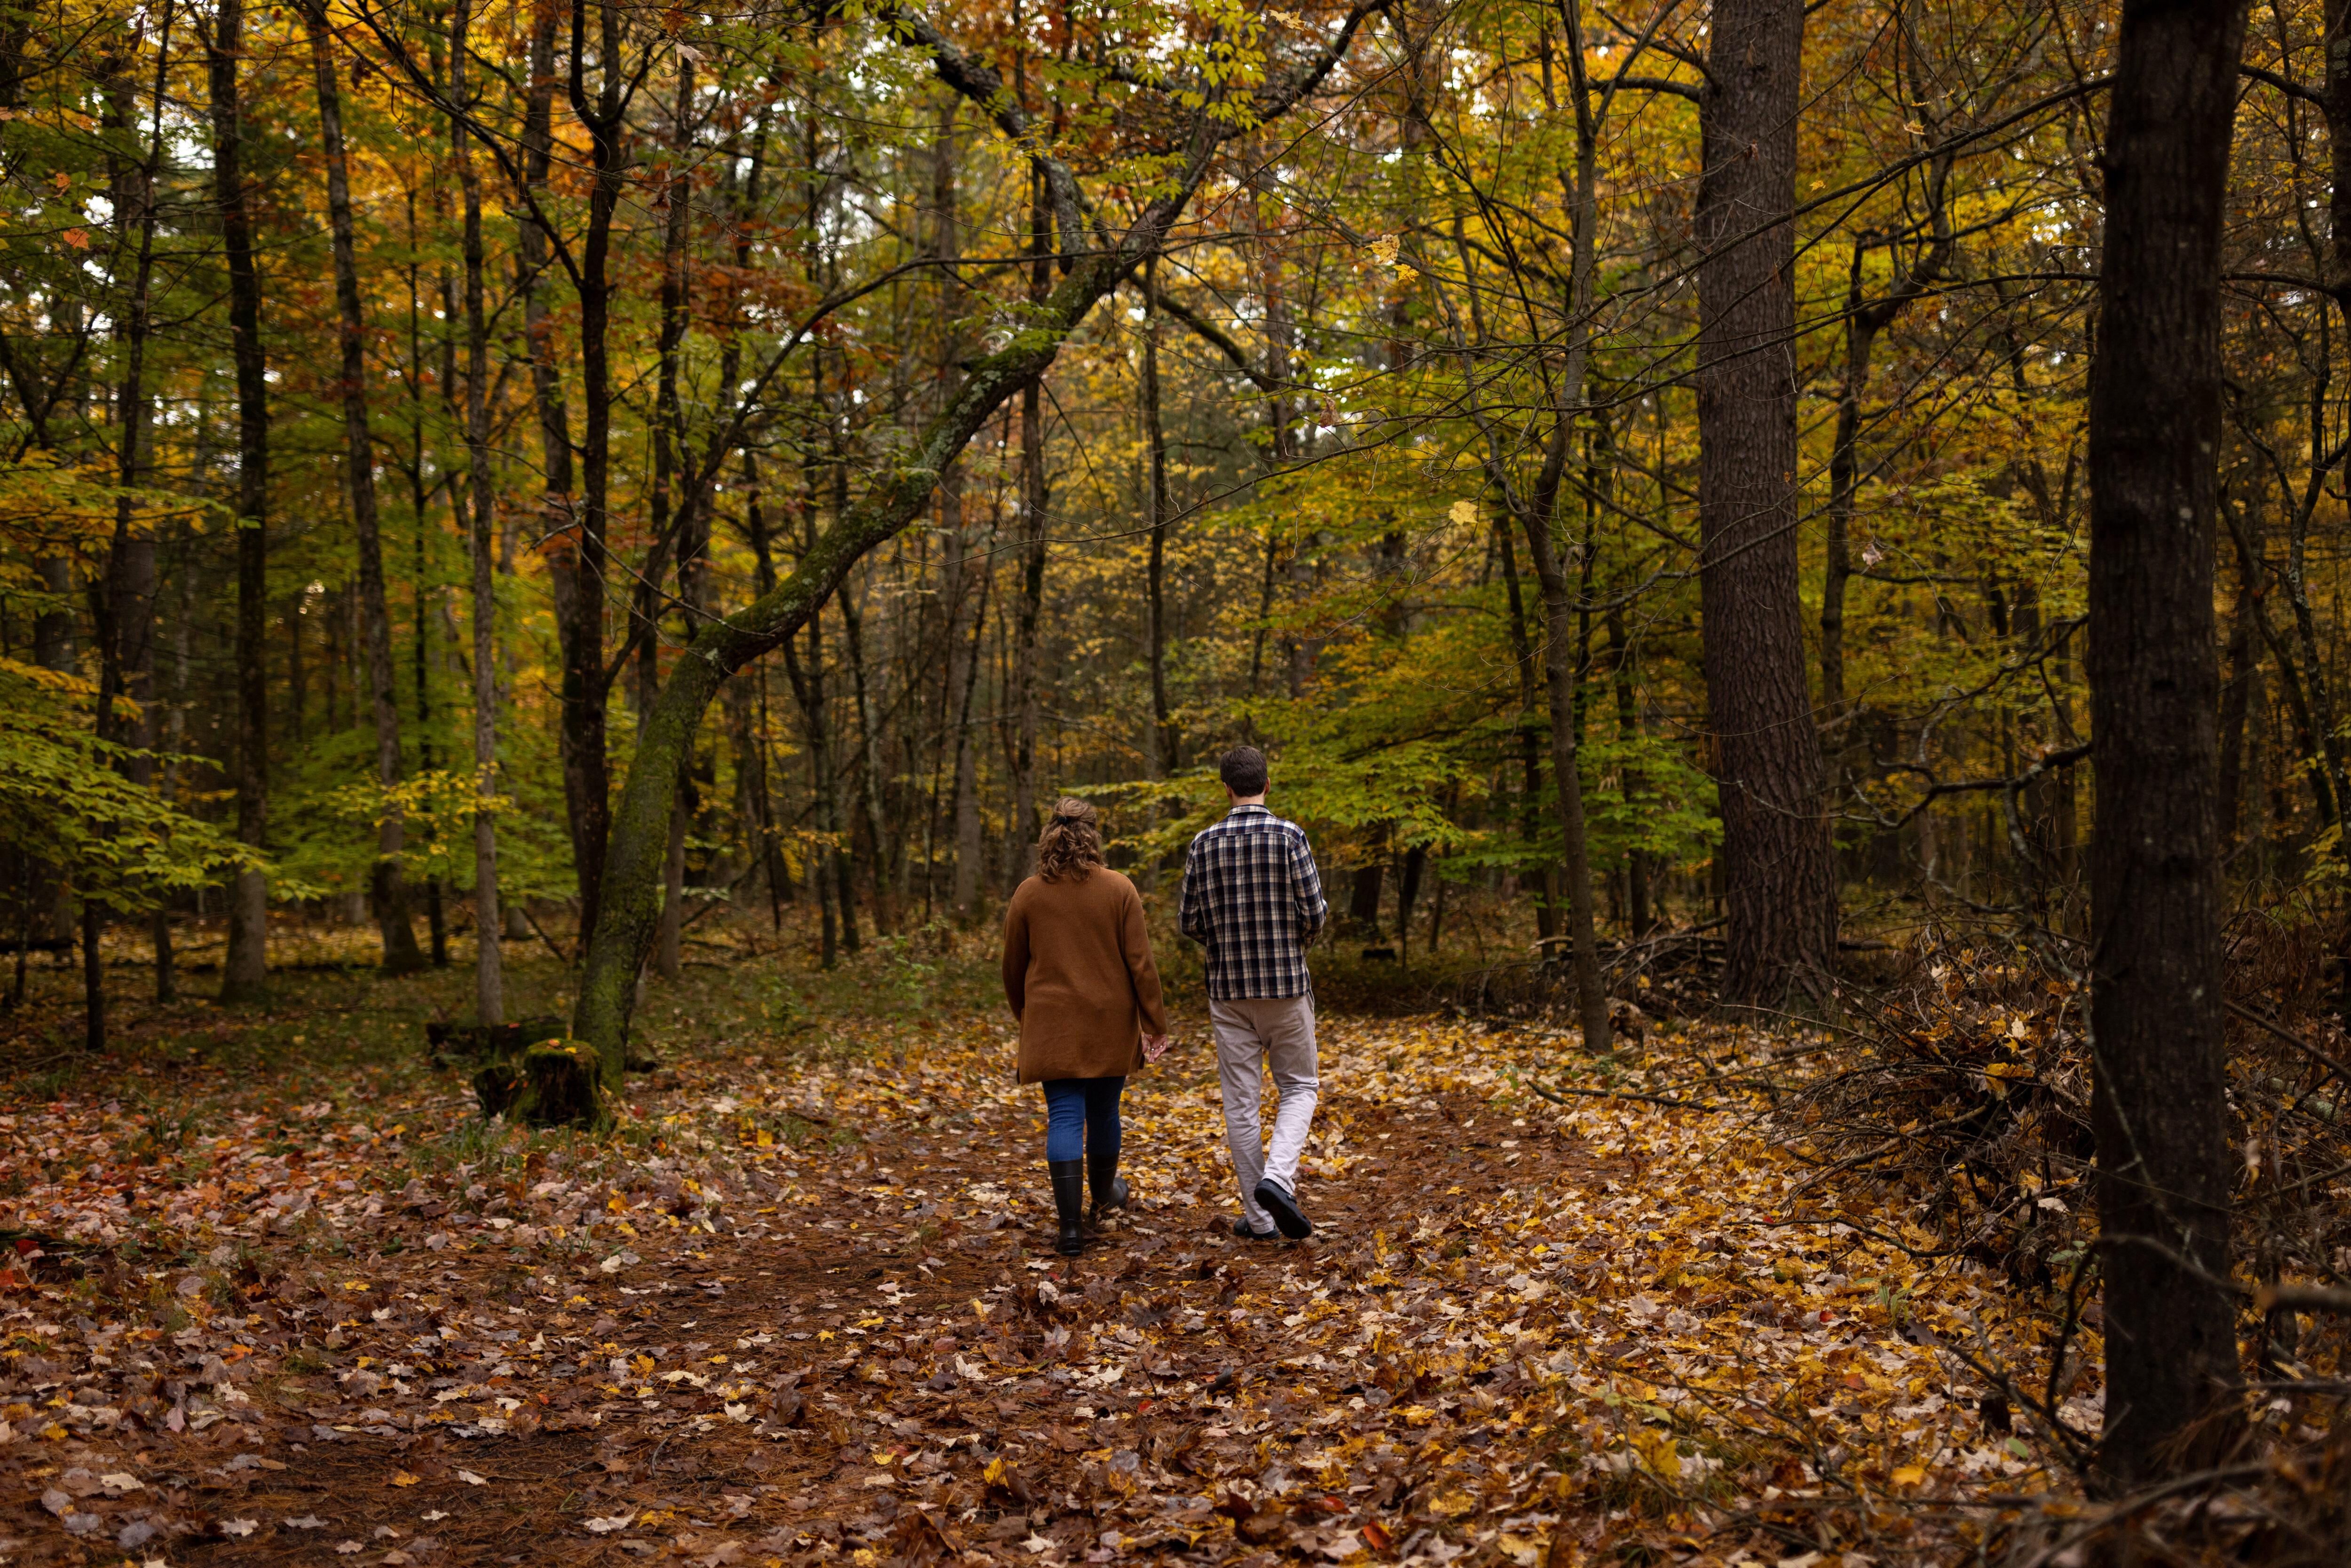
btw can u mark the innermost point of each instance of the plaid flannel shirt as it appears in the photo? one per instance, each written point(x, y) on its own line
point(1252, 897)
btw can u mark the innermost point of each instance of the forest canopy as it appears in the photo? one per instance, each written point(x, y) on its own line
point(350, 349)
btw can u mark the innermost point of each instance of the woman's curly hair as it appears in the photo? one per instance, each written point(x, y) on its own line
point(1071, 844)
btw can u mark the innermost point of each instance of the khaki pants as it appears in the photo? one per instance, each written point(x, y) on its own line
point(1278, 1033)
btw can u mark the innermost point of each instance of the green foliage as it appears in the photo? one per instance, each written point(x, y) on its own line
point(64, 799)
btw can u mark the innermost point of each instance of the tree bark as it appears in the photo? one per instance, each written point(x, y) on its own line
point(1522, 653)
point(2160, 1106)
point(127, 629)
point(1540, 515)
point(388, 886)
point(489, 970)
point(1778, 893)
point(1560, 684)
point(807, 688)
point(669, 445)
point(244, 972)
point(1026, 704)
point(1156, 510)
point(576, 590)
point(580, 563)
point(1637, 917)
point(2245, 532)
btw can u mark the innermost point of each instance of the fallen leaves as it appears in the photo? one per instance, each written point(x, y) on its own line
point(1521, 1328)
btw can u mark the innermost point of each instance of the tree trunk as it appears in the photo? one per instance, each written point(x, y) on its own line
point(2160, 1104)
point(868, 731)
point(1563, 626)
point(579, 585)
point(1637, 918)
point(808, 687)
point(172, 740)
point(962, 663)
point(127, 644)
point(1778, 893)
point(1155, 513)
point(489, 975)
point(1026, 679)
point(577, 595)
point(1560, 684)
point(244, 972)
point(2245, 533)
point(668, 515)
point(2243, 654)
point(389, 887)
point(1522, 653)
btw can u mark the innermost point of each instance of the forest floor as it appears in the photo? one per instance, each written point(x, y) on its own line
point(280, 1296)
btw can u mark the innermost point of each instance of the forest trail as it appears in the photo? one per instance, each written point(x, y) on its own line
point(1521, 1330)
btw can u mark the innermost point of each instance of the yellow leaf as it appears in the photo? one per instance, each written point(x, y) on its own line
point(1463, 513)
point(1910, 1475)
point(403, 1478)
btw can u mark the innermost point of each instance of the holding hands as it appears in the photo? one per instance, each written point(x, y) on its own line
point(1154, 1046)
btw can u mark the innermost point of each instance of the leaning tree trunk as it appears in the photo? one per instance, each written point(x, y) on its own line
point(1777, 895)
point(2160, 1101)
point(245, 973)
point(388, 888)
point(632, 884)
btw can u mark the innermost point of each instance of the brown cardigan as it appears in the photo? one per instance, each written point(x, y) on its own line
point(1079, 975)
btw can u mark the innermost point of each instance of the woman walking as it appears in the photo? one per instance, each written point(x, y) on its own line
point(1079, 975)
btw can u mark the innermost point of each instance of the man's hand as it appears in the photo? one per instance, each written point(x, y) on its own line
point(1154, 1046)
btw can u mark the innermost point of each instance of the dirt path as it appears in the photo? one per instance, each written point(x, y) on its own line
point(1508, 1338)
point(825, 1378)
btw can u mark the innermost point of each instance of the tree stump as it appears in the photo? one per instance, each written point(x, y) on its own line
point(555, 1085)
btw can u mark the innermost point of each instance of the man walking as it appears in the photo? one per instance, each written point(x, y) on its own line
point(1252, 897)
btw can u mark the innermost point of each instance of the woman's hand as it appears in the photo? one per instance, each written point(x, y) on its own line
point(1154, 1046)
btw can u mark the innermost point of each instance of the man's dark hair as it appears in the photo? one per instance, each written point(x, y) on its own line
point(1243, 771)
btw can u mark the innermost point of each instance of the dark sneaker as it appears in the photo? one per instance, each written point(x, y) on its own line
point(1287, 1217)
point(1241, 1229)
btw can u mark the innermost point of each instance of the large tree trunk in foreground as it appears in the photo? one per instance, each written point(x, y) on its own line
point(246, 970)
point(388, 888)
point(1778, 894)
point(2160, 1106)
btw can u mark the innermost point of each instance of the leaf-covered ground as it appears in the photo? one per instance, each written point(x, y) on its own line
point(805, 1310)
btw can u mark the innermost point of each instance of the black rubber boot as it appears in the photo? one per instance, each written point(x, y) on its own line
point(1110, 1188)
point(1070, 1203)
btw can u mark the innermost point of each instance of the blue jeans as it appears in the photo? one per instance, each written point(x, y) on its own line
point(1078, 1111)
